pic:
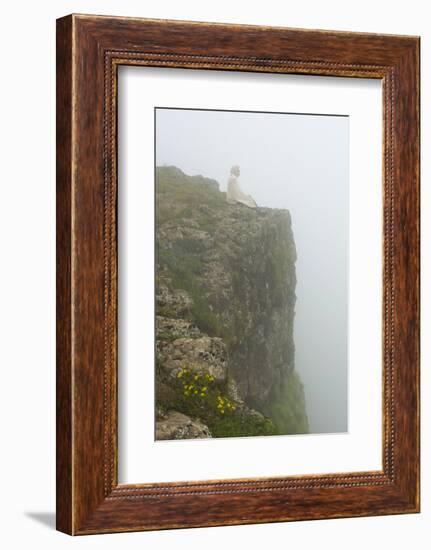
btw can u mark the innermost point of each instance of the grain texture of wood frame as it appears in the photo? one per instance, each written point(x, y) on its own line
point(89, 51)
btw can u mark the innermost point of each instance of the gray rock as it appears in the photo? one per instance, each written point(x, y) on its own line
point(203, 355)
point(172, 302)
point(171, 329)
point(175, 425)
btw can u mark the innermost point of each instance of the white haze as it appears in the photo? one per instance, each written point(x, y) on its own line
point(298, 162)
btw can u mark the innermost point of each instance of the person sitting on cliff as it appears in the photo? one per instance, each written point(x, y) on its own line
point(234, 193)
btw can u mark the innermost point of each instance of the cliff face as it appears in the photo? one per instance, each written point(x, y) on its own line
point(225, 292)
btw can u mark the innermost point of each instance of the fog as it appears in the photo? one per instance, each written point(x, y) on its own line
point(297, 162)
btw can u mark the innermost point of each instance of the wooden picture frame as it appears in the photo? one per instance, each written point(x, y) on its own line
point(89, 51)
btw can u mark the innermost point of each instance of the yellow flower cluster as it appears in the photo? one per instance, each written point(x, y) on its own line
point(198, 386)
point(224, 404)
point(195, 384)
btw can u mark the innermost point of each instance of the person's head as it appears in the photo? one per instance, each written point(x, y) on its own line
point(235, 170)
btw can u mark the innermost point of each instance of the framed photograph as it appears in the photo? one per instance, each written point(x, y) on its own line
point(237, 274)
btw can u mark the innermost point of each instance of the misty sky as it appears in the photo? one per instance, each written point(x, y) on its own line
point(297, 162)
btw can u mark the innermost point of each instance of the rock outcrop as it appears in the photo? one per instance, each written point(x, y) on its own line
point(225, 303)
point(175, 425)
